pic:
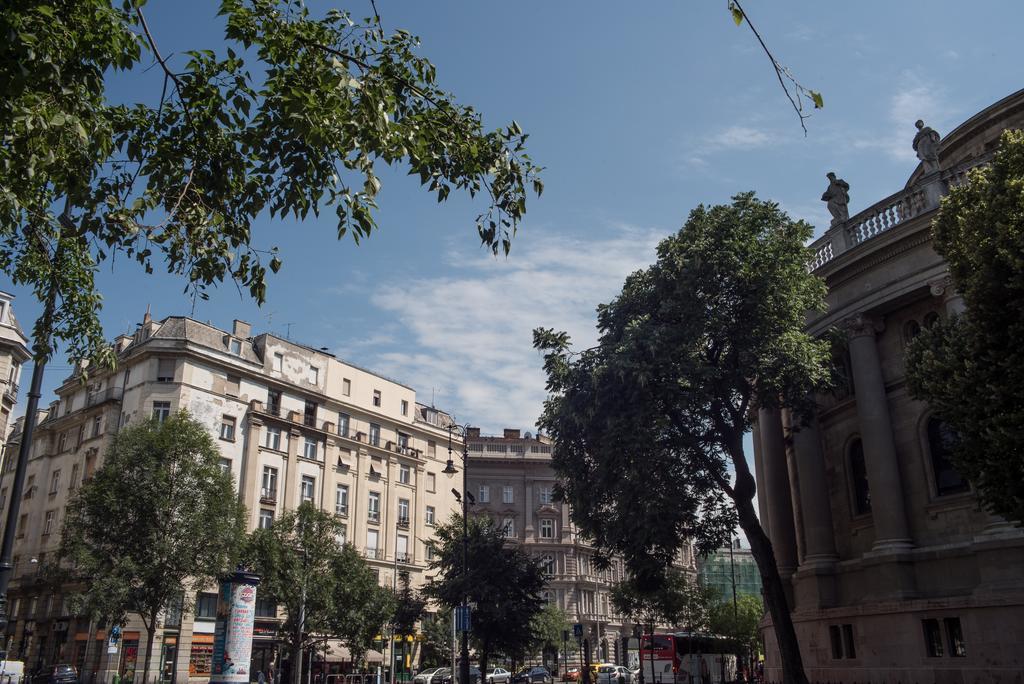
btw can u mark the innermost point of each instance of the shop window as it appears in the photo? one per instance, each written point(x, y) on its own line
point(941, 442)
point(861, 490)
point(200, 660)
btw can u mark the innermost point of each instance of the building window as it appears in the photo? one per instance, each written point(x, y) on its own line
point(376, 398)
point(97, 426)
point(236, 347)
point(941, 442)
point(232, 385)
point(374, 434)
point(405, 407)
point(431, 482)
point(81, 434)
point(309, 413)
point(346, 387)
point(274, 402)
point(430, 515)
point(373, 507)
point(403, 511)
point(848, 648)
point(430, 551)
point(314, 375)
point(508, 527)
point(273, 439)
point(484, 492)
point(372, 537)
point(268, 488)
point(266, 518)
point(859, 479)
point(835, 638)
point(402, 549)
point(955, 637)
point(507, 495)
point(404, 474)
point(227, 428)
point(547, 528)
point(161, 410)
point(62, 443)
point(225, 465)
point(55, 482)
point(48, 522)
point(403, 443)
point(343, 420)
point(278, 362)
point(72, 485)
point(932, 638)
point(546, 495)
point(342, 535)
point(431, 448)
point(547, 564)
point(309, 449)
point(308, 485)
point(266, 608)
point(341, 500)
point(165, 370)
point(206, 606)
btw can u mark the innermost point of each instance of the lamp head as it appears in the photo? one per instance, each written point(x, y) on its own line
point(449, 469)
point(455, 493)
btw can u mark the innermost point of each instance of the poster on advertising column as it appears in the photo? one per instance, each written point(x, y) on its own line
point(232, 637)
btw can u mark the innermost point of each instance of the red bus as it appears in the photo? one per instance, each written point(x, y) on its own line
point(686, 658)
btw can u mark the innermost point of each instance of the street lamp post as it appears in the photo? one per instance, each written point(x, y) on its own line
point(464, 498)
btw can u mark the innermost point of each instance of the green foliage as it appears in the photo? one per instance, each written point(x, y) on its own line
point(970, 369)
point(437, 640)
point(326, 588)
point(503, 581)
point(159, 518)
point(677, 601)
point(648, 424)
point(739, 622)
point(547, 627)
point(287, 117)
point(409, 607)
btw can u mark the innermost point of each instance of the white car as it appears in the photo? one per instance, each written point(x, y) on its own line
point(498, 675)
point(613, 674)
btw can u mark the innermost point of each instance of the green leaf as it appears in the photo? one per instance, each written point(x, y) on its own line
point(817, 99)
point(737, 13)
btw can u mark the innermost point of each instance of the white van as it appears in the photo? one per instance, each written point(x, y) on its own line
point(11, 671)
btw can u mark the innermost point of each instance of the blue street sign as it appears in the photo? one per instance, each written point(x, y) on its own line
point(577, 630)
point(463, 619)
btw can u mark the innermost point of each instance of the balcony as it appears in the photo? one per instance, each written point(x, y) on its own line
point(374, 553)
point(403, 557)
point(268, 496)
point(403, 523)
point(11, 392)
point(103, 396)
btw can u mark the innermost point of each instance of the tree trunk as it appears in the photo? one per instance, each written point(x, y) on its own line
point(774, 592)
point(297, 659)
point(150, 638)
point(483, 666)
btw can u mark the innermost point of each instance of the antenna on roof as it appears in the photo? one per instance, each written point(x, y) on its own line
point(288, 331)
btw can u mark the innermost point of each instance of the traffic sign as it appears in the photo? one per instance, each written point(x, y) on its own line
point(463, 618)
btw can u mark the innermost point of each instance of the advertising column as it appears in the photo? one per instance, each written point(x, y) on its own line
point(232, 638)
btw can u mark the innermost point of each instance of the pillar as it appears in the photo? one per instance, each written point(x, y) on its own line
point(952, 301)
point(762, 501)
point(820, 545)
point(776, 492)
point(892, 532)
point(250, 475)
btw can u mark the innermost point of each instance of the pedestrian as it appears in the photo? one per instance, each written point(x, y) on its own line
point(261, 678)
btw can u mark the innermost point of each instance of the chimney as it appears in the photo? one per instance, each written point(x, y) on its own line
point(511, 433)
point(473, 433)
point(146, 318)
point(241, 330)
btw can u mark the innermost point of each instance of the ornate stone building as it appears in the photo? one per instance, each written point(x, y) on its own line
point(13, 354)
point(895, 571)
point(293, 424)
point(512, 480)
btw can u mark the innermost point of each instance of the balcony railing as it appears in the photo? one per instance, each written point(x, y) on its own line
point(403, 557)
point(12, 391)
point(374, 553)
point(268, 496)
point(109, 394)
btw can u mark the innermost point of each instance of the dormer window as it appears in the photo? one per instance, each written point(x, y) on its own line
point(236, 347)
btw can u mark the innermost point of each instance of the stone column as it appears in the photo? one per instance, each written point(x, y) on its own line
point(777, 494)
point(249, 479)
point(819, 534)
point(762, 501)
point(951, 299)
point(892, 532)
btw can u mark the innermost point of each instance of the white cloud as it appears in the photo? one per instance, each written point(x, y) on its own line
point(467, 337)
point(916, 98)
point(736, 138)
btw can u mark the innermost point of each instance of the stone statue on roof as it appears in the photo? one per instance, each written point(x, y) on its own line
point(926, 144)
point(837, 197)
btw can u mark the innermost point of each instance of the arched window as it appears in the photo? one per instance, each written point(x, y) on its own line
point(941, 442)
point(931, 318)
point(859, 479)
point(911, 329)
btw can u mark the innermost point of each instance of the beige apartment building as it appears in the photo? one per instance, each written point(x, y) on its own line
point(895, 570)
point(293, 424)
point(13, 354)
point(512, 480)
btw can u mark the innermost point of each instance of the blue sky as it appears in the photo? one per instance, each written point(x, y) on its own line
point(639, 111)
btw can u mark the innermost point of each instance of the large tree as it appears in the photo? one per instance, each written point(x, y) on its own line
point(970, 368)
point(159, 518)
point(502, 580)
point(739, 621)
point(320, 582)
point(648, 425)
point(288, 114)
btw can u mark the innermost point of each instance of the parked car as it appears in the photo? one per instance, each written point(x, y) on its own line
point(613, 674)
point(571, 675)
point(498, 675)
point(533, 675)
point(12, 672)
point(58, 674)
point(474, 676)
point(426, 676)
point(440, 675)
